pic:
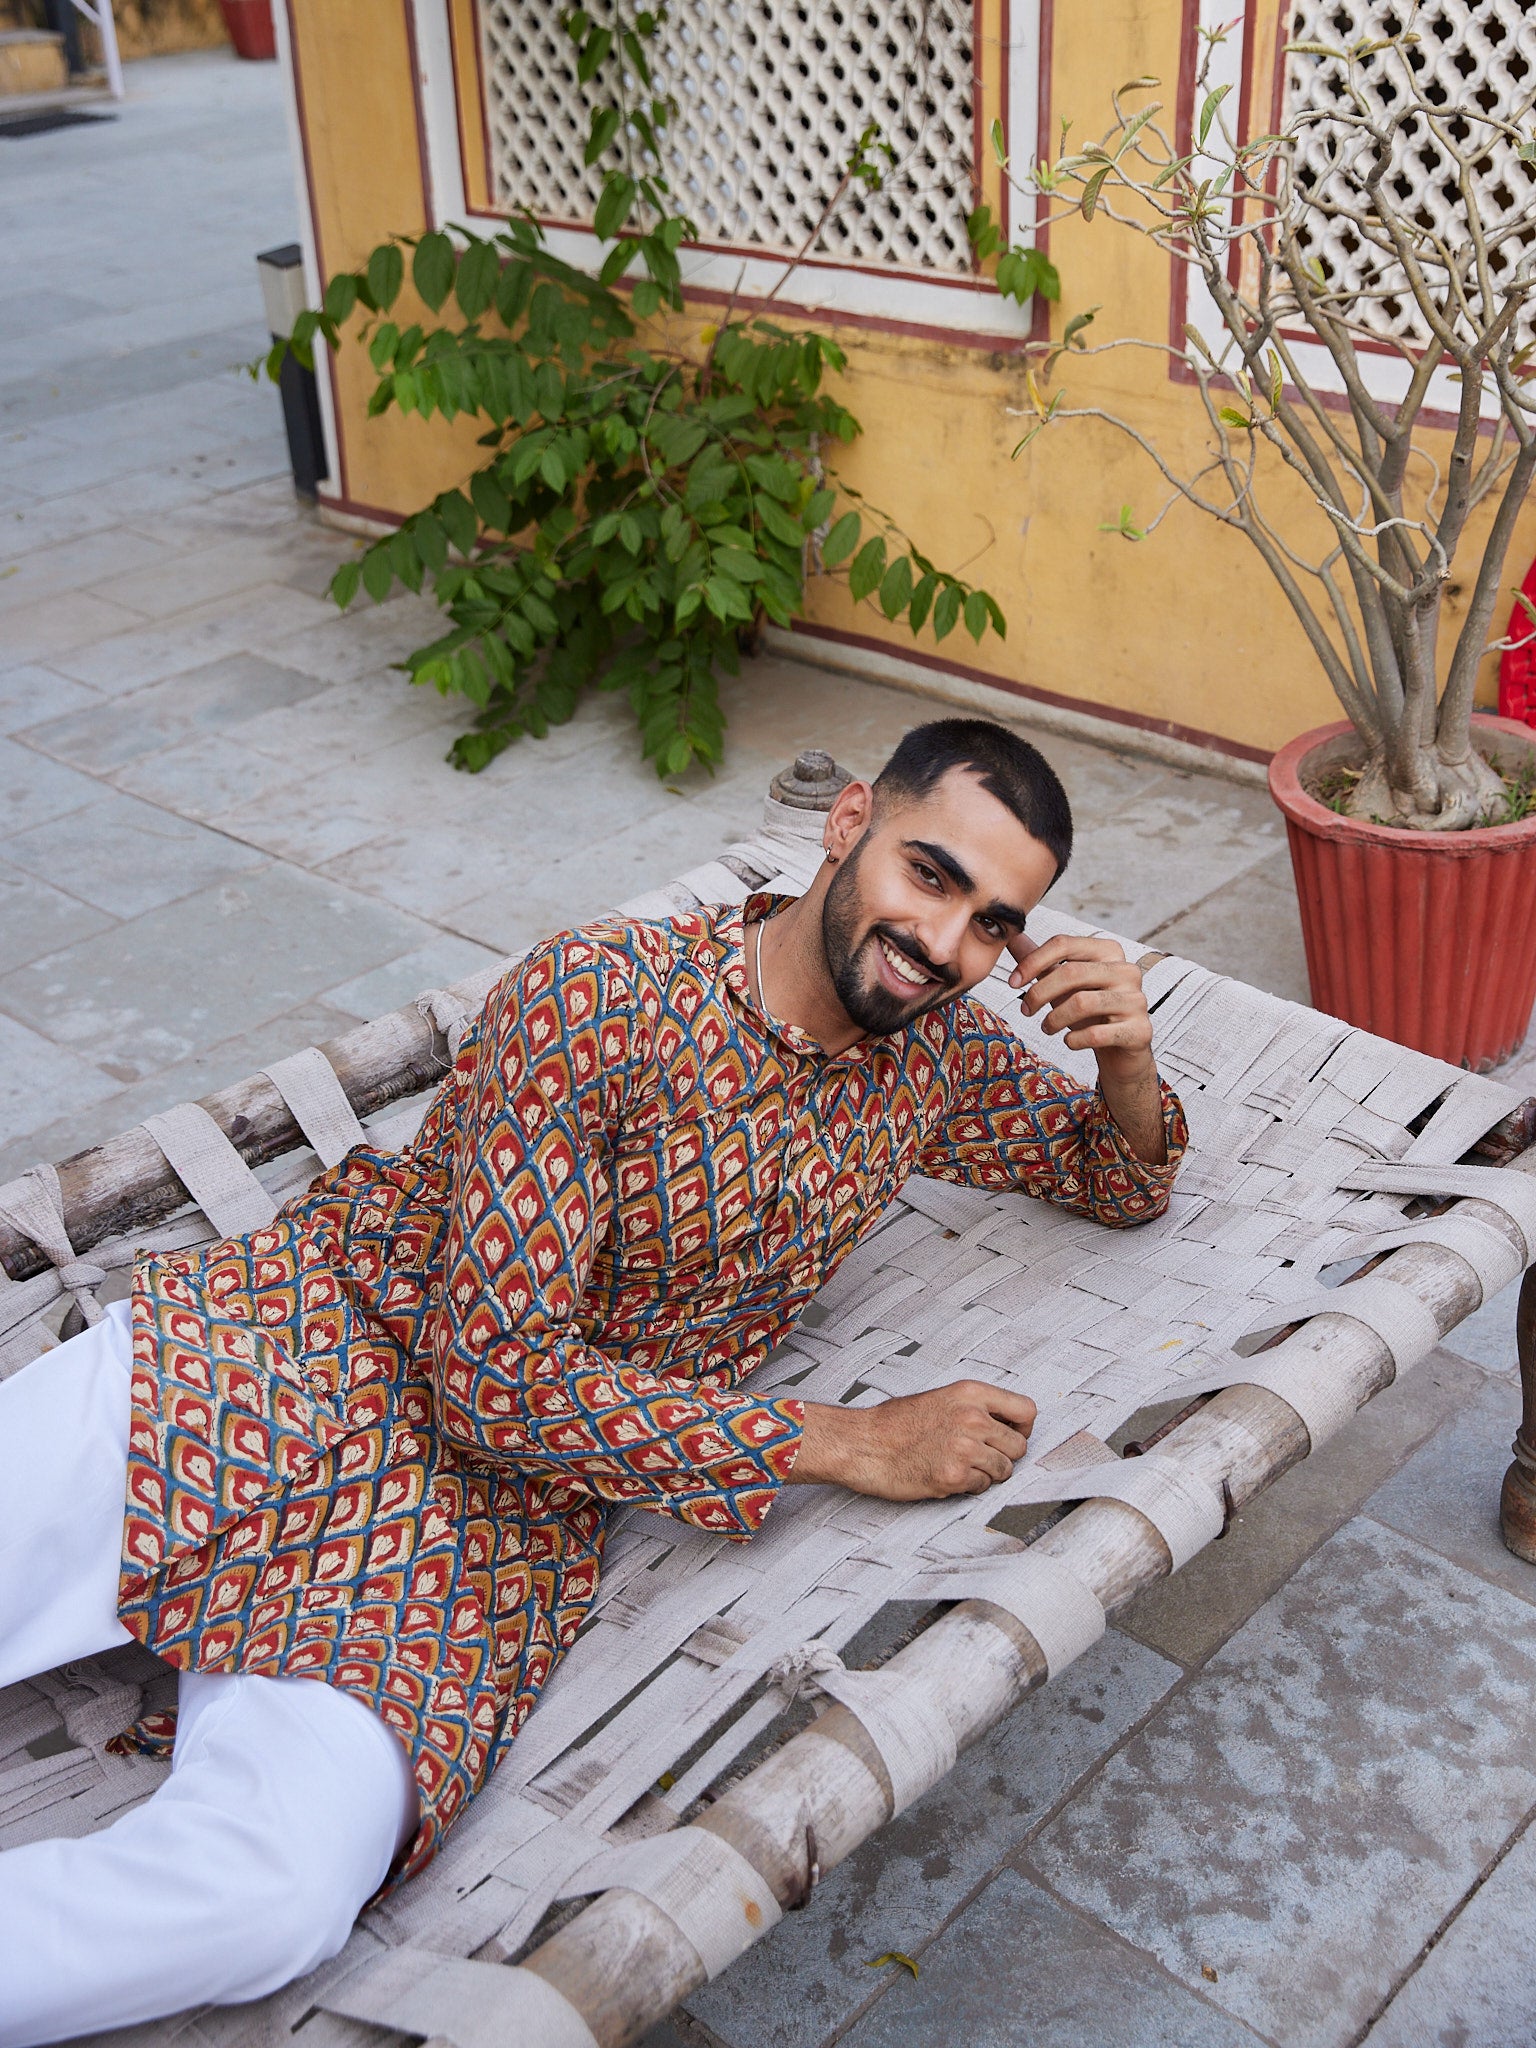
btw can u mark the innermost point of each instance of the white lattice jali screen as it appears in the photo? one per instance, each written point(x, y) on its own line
point(771, 100)
point(1478, 52)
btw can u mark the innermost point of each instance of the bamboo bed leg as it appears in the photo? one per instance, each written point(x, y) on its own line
point(1517, 1504)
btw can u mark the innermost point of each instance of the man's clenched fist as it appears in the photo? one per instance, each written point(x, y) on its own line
point(958, 1439)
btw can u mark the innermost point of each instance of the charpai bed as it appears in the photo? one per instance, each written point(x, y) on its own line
point(661, 1775)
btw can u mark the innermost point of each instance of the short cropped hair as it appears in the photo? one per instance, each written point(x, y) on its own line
point(1009, 768)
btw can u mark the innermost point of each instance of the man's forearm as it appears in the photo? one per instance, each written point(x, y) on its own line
point(1134, 1098)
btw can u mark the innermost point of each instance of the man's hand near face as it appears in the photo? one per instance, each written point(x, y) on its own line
point(1093, 994)
point(957, 1439)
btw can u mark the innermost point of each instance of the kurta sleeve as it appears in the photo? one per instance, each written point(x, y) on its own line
point(1017, 1122)
point(517, 1383)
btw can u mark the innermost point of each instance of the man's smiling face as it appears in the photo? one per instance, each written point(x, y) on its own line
point(923, 903)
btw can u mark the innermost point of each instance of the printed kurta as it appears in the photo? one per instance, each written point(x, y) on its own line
point(376, 1442)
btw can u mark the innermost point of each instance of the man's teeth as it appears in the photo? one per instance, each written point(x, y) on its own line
point(903, 966)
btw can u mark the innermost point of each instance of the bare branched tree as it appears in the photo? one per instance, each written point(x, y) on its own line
point(1253, 220)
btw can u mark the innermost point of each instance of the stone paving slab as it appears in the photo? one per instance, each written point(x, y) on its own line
point(1473, 1988)
point(1220, 930)
point(897, 1890)
point(1307, 1810)
point(127, 857)
point(1019, 1966)
point(36, 918)
point(1447, 1494)
point(1189, 1615)
point(100, 737)
point(197, 971)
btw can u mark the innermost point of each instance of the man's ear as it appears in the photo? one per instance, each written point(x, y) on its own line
point(849, 818)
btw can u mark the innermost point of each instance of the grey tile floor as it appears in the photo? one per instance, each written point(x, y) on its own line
point(1286, 1799)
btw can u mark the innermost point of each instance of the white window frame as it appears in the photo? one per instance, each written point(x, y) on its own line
point(969, 305)
point(1387, 374)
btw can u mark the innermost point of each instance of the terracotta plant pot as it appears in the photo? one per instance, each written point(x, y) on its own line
point(1428, 938)
point(249, 23)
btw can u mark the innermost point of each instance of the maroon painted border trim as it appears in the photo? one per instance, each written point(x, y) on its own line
point(302, 118)
point(1139, 721)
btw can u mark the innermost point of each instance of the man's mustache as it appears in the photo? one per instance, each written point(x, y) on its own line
point(910, 950)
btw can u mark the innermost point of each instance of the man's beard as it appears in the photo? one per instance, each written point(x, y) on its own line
point(868, 1002)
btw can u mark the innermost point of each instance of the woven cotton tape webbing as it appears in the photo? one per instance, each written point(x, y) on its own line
point(1514, 1193)
point(307, 1083)
point(715, 1898)
point(903, 1717)
point(473, 2005)
point(211, 1170)
point(1061, 1612)
point(1183, 1510)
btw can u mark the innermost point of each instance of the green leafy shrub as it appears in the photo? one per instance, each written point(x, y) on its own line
point(641, 513)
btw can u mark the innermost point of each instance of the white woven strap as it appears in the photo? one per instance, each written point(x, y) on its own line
point(1061, 1612)
point(1486, 1249)
point(307, 1082)
point(34, 1206)
point(211, 1170)
point(1185, 1512)
point(1305, 1380)
point(472, 2005)
point(718, 1901)
point(903, 1718)
point(1514, 1193)
point(1395, 1313)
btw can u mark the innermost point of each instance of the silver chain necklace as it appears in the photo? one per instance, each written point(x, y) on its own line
point(757, 962)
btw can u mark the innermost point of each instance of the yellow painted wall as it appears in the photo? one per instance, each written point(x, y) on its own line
point(1186, 626)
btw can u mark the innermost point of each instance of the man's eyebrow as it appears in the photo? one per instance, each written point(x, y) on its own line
point(941, 858)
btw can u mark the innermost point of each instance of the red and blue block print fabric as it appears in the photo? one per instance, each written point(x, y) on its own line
point(376, 1443)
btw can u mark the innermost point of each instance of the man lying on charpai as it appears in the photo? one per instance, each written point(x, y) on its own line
point(368, 1452)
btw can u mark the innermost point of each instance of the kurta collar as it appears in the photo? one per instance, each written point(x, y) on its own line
point(731, 932)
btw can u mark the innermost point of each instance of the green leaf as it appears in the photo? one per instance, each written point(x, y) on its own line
point(946, 611)
point(552, 469)
point(841, 541)
point(479, 271)
point(999, 147)
point(382, 346)
point(820, 507)
point(868, 568)
point(1234, 418)
point(775, 475)
point(432, 268)
point(629, 533)
point(1092, 189)
point(459, 522)
point(605, 125)
point(615, 205)
point(645, 298)
point(490, 500)
point(378, 576)
point(431, 541)
point(595, 49)
point(1208, 111)
point(344, 583)
point(386, 274)
point(781, 524)
point(896, 588)
point(922, 602)
point(976, 615)
point(340, 296)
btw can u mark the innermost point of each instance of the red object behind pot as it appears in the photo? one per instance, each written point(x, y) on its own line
point(249, 26)
point(1517, 670)
point(1428, 938)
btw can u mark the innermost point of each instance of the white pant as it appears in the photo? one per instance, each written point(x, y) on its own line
point(287, 1800)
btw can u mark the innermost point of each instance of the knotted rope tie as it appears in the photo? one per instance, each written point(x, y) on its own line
point(34, 1205)
point(450, 1018)
point(902, 1716)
